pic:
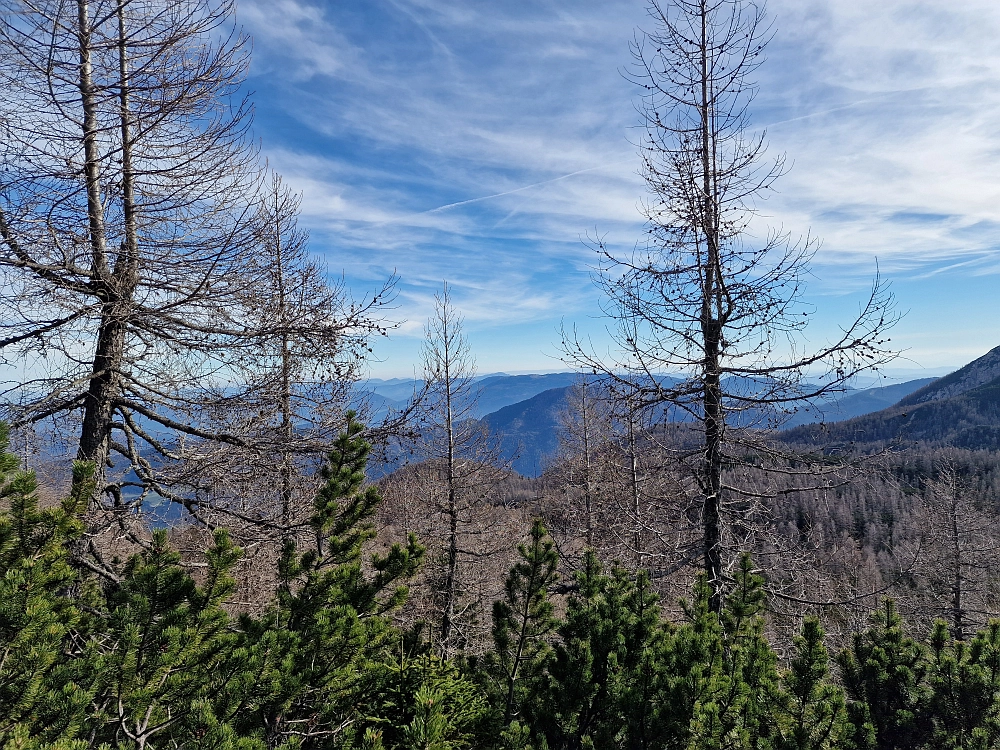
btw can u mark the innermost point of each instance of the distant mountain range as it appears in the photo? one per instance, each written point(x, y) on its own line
point(855, 403)
point(960, 409)
point(529, 428)
point(492, 392)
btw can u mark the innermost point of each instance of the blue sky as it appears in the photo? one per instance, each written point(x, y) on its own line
point(482, 142)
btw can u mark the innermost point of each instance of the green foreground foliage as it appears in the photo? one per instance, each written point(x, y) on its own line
point(154, 660)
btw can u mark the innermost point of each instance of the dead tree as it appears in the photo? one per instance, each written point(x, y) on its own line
point(307, 344)
point(612, 490)
point(711, 295)
point(651, 519)
point(958, 562)
point(307, 350)
point(461, 469)
point(124, 232)
point(131, 237)
point(584, 432)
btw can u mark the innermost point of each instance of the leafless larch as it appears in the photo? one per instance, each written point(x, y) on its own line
point(707, 311)
point(147, 300)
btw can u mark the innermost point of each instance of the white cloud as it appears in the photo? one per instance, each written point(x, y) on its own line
point(297, 32)
point(480, 141)
point(904, 166)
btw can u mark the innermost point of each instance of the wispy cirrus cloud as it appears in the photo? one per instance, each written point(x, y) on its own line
point(906, 170)
point(481, 142)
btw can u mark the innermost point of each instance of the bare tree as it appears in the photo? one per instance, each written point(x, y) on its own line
point(306, 346)
point(120, 219)
point(959, 553)
point(462, 469)
point(650, 499)
point(630, 421)
point(584, 432)
point(612, 488)
point(705, 297)
point(132, 232)
point(307, 349)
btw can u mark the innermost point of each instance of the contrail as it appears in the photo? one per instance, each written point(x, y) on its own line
point(835, 109)
point(522, 188)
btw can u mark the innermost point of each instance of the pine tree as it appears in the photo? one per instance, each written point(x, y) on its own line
point(140, 662)
point(601, 680)
point(429, 728)
point(718, 681)
point(153, 659)
point(964, 678)
point(646, 634)
point(813, 715)
point(329, 622)
point(165, 662)
point(691, 658)
point(578, 702)
point(522, 622)
point(741, 695)
point(44, 688)
point(418, 702)
point(884, 675)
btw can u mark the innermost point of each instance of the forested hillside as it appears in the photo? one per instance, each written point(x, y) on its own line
point(961, 410)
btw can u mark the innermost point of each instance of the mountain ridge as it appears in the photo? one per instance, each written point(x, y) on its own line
point(531, 426)
point(961, 409)
point(979, 372)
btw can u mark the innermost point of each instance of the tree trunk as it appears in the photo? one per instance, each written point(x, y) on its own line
point(587, 469)
point(285, 406)
point(451, 583)
point(634, 487)
point(712, 511)
point(105, 379)
point(711, 329)
point(957, 604)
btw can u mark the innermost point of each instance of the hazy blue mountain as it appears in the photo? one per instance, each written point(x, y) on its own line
point(498, 391)
point(374, 405)
point(398, 390)
point(855, 403)
point(524, 409)
point(875, 399)
point(494, 391)
point(529, 429)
